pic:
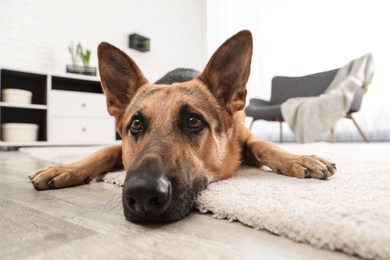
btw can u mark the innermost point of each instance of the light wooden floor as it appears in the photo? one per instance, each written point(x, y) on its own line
point(86, 222)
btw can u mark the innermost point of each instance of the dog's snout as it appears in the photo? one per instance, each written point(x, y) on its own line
point(146, 194)
point(155, 191)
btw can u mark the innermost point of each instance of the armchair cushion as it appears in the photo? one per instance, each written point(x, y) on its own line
point(284, 88)
point(262, 109)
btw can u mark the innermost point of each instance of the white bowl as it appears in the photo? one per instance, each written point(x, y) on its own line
point(18, 132)
point(19, 96)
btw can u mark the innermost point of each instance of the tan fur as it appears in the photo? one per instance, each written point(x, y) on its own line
point(217, 96)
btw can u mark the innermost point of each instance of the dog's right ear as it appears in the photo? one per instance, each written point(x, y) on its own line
point(227, 71)
point(120, 79)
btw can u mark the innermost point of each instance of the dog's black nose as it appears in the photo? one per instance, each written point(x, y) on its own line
point(147, 192)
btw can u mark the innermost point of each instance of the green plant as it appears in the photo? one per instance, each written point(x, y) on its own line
point(143, 44)
point(85, 56)
point(77, 53)
point(74, 54)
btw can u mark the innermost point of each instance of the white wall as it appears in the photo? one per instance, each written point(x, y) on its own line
point(34, 35)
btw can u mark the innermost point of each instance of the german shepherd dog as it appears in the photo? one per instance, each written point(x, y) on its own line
point(177, 138)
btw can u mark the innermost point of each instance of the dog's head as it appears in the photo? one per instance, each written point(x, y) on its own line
point(178, 137)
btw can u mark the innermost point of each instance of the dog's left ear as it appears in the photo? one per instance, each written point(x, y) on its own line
point(120, 78)
point(227, 71)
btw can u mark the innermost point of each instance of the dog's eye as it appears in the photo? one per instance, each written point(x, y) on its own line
point(190, 123)
point(136, 126)
point(194, 123)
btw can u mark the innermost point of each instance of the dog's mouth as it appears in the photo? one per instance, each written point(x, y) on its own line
point(155, 196)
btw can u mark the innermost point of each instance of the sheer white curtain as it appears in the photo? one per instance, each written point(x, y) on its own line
point(301, 37)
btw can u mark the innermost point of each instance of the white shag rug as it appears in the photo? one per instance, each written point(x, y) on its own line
point(350, 212)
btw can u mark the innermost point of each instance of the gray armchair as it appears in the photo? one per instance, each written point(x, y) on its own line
point(284, 88)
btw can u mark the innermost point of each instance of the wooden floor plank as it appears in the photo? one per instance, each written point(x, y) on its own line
point(33, 231)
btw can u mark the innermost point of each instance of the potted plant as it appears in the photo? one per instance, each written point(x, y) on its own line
point(76, 53)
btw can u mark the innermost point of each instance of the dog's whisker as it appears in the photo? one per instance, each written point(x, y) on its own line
point(114, 204)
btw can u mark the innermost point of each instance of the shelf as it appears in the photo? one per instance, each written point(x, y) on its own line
point(19, 144)
point(27, 106)
point(35, 83)
point(46, 143)
point(27, 116)
point(78, 85)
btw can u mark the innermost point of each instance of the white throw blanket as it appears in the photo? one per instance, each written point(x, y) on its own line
point(310, 117)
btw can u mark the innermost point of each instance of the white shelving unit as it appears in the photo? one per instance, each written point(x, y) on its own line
point(69, 109)
point(31, 106)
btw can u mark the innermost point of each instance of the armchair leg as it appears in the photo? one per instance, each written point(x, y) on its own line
point(250, 126)
point(332, 136)
point(281, 131)
point(357, 126)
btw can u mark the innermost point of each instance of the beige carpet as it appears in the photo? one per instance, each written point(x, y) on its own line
point(350, 212)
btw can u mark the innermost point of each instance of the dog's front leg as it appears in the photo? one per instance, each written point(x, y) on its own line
point(104, 160)
point(259, 153)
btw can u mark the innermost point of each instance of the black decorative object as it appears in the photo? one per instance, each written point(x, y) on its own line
point(91, 71)
point(139, 43)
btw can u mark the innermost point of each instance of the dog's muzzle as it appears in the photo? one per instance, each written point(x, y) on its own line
point(151, 192)
point(147, 192)
point(147, 195)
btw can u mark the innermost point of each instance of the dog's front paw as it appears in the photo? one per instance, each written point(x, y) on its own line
point(309, 167)
point(54, 177)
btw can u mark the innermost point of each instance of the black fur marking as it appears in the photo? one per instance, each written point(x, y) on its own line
point(178, 75)
point(185, 114)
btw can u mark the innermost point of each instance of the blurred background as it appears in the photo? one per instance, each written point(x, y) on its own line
point(291, 38)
